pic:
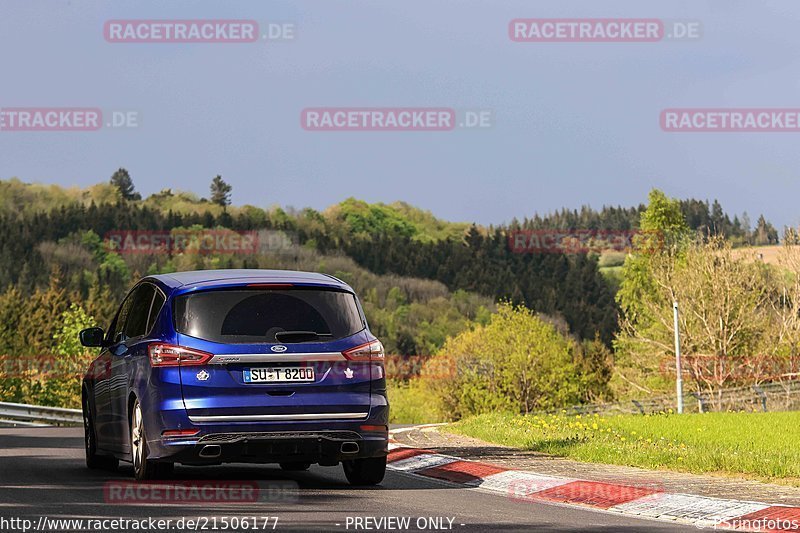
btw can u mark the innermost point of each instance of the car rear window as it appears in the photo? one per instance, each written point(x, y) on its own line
point(256, 315)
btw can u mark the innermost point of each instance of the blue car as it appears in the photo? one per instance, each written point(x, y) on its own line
point(257, 366)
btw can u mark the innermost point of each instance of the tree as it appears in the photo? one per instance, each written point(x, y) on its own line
point(121, 179)
point(62, 385)
point(719, 221)
point(784, 336)
point(663, 231)
point(220, 191)
point(765, 233)
point(663, 215)
point(726, 304)
point(791, 237)
point(517, 362)
point(663, 240)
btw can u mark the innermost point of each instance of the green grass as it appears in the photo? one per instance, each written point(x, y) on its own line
point(763, 446)
point(613, 275)
point(409, 403)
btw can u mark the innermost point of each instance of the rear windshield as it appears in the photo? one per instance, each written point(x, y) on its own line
point(257, 315)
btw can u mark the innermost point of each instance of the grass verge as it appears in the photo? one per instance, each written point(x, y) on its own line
point(763, 446)
point(410, 403)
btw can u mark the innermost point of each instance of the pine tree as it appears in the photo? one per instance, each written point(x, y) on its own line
point(121, 179)
point(765, 233)
point(220, 191)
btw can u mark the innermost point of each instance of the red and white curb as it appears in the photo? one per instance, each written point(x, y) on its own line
point(641, 501)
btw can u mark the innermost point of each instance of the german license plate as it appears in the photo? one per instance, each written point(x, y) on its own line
point(278, 375)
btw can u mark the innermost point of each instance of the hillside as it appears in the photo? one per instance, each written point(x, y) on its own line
point(47, 226)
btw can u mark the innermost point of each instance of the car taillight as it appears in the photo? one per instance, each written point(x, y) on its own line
point(172, 355)
point(371, 351)
point(180, 432)
point(370, 427)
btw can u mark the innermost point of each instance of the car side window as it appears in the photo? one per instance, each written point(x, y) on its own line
point(142, 299)
point(116, 331)
point(155, 308)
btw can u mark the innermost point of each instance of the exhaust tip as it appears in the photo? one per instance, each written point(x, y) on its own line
point(350, 447)
point(211, 451)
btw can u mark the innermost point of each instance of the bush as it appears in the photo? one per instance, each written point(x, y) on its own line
point(517, 362)
point(611, 259)
point(53, 376)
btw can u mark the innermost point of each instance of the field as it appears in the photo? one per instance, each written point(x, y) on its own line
point(768, 254)
point(757, 445)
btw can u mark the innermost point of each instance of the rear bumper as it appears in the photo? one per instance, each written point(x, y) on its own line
point(271, 437)
point(326, 447)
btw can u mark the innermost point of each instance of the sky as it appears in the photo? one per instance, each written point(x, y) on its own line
point(570, 123)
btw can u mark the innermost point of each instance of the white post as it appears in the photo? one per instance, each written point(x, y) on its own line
point(679, 380)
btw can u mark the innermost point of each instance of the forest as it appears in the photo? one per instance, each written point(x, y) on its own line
point(422, 280)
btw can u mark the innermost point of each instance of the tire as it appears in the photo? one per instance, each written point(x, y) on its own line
point(143, 467)
point(295, 466)
point(368, 471)
point(93, 460)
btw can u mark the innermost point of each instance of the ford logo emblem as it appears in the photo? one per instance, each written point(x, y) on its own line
point(278, 348)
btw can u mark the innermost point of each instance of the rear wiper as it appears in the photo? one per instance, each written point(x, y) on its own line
point(299, 336)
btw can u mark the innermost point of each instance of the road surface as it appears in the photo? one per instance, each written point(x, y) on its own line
point(43, 478)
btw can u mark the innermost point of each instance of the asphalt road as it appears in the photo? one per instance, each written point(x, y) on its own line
point(42, 474)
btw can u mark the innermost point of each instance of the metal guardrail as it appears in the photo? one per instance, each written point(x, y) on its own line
point(778, 396)
point(21, 424)
point(24, 415)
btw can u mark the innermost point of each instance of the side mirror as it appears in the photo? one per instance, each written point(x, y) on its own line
point(92, 337)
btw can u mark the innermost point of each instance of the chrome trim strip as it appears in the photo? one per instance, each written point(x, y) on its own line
point(264, 418)
point(275, 358)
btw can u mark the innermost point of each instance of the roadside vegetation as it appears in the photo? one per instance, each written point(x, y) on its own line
point(739, 317)
point(470, 326)
point(739, 324)
point(517, 361)
point(757, 445)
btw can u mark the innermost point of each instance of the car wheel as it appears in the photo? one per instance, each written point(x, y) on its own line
point(368, 471)
point(93, 460)
point(295, 466)
point(144, 468)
